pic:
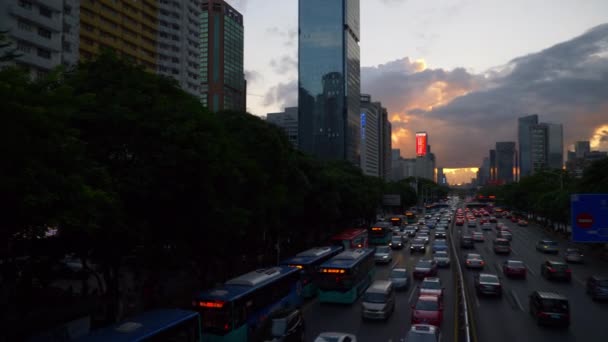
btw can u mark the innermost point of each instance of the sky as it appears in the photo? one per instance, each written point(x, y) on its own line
point(462, 70)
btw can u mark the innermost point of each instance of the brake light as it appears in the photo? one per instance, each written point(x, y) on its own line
point(226, 327)
point(552, 270)
point(543, 314)
point(468, 262)
point(482, 262)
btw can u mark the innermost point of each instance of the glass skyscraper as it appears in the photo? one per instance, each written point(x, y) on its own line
point(329, 83)
point(524, 142)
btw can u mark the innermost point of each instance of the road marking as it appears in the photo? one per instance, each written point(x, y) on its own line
point(516, 298)
point(580, 281)
point(498, 267)
point(514, 252)
point(530, 271)
point(409, 300)
point(394, 264)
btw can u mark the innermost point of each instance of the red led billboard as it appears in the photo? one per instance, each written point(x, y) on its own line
point(421, 144)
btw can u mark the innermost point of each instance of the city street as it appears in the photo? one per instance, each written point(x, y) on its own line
point(508, 318)
point(347, 318)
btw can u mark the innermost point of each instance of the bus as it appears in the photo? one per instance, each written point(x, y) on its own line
point(351, 239)
point(308, 262)
point(380, 233)
point(157, 325)
point(343, 278)
point(410, 216)
point(237, 310)
point(396, 221)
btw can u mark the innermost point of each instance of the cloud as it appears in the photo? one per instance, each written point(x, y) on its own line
point(466, 113)
point(284, 65)
point(253, 76)
point(289, 35)
point(282, 95)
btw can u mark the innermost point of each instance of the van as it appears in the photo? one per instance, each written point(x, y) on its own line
point(502, 246)
point(379, 300)
point(550, 308)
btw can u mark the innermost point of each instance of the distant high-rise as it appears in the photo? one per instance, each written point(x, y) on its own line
point(581, 148)
point(45, 33)
point(328, 71)
point(492, 169)
point(371, 135)
point(387, 145)
point(555, 146)
point(525, 153)
point(223, 85)
point(178, 42)
point(288, 121)
point(505, 161)
point(539, 141)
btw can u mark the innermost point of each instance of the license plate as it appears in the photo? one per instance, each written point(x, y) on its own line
point(555, 316)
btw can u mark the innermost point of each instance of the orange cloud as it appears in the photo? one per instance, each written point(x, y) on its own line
point(599, 139)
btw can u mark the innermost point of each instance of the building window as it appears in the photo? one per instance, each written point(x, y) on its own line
point(25, 26)
point(25, 4)
point(23, 46)
point(44, 53)
point(44, 33)
point(67, 47)
point(67, 9)
point(45, 12)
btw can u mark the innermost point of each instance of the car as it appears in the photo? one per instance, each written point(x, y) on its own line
point(460, 221)
point(440, 233)
point(424, 236)
point(418, 245)
point(335, 337)
point(550, 308)
point(423, 333)
point(425, 268)
point(487, 284)
point(500, 225)
point(478, 237)
point(547, 246)
point(431, 224)
point(472, 223)
point(383, 254)
point(522, 223)
point(574, 255)
point(410, 231)
point(284, 325)
point(493, 219)
point(514, 219)
point(431, 286)
point(378, 300)
point(400, 278)
point(427, 310)
point(504, 234)
point(514, 268)
point(486, 226)
point(466, 241)
point(597, 287)
point(439, 245)
point(556, 270)
point(474, 260)
point(442, 258)
point(396, 242)
point(501, 246)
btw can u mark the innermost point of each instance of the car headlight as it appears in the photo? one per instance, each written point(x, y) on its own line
point(384, 256)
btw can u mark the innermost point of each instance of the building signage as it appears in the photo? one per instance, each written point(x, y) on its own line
point(421, 142)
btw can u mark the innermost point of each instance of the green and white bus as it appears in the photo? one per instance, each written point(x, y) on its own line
point(380, 234)
point(343, 278)
point(308, 262)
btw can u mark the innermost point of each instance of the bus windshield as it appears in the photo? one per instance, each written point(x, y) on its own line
point(216, 320)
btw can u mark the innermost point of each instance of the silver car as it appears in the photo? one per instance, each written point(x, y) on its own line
point(400, 278)
point(547, 246)
point(383, 254)
point(442, 258)
point(473, 260)
point(336, 337)
point(574, 255)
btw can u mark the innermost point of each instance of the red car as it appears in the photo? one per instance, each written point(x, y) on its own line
point(513, 219)
point(425, 268)
point(427, 310)
point(514, 268)
point(459, 222)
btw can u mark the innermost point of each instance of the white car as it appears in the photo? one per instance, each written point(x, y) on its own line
point(336, 337)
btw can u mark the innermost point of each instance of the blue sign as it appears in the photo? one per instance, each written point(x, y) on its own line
point(589, 217)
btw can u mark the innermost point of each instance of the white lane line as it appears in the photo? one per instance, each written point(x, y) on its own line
point(514, 252)
point(516, 298)
point(530, 271)
point(394, 264)
point(413, 289)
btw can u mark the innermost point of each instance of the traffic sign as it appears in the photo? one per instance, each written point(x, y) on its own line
point(589, 214)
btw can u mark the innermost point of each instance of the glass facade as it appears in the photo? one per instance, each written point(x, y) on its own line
point(328, 68)
point(525, 152)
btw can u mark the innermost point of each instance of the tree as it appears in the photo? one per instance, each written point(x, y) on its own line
point(7, 51)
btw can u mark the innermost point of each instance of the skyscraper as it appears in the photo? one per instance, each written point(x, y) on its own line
point(387, 145)
point(371, 145)
point(178, 42)
point(539, 142)
point(525, 154)
point(505, 161)
point(492, 165)
point(45, 33)
point(223, 85)
point(328, 71)
point(555, 148)
point(581, 148)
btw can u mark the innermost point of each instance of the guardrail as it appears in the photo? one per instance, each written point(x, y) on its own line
point(463, 308)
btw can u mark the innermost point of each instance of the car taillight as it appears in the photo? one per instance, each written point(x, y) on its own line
point(468, 262)
point(543, 314)
point(552, 270)
point(482, 262)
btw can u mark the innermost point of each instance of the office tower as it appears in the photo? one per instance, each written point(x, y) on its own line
point(525, 154)
point(539, 136)
point(223, 85)
point(505, 161)
point(129, 28)
point(555, 146)
point(387, 146)
point(178, 42)
point(371, 145)
point(581, 148)
point(492, 169)
point(45, 33)
point(288, 121)
point(328, 71)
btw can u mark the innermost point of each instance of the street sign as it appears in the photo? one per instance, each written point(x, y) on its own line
point(589, 214)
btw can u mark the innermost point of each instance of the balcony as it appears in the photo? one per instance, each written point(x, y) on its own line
point(33, 59)
point(53, 44)
point(54, 24)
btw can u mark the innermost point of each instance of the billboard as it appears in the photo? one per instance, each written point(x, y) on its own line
point(421, 144)
point(589, 217)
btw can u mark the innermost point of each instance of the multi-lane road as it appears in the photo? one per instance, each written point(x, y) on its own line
point(508, 318)
point(320, 317)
